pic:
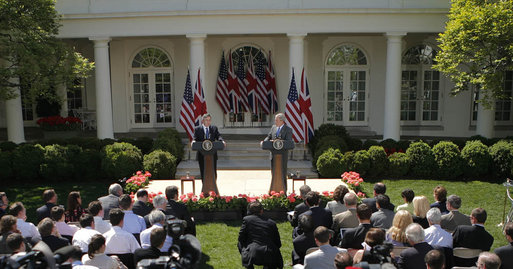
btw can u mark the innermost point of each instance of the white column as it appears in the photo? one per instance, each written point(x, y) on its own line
point(296, 55)
point(485, 121)
point(14, 115)
point(392, 118)
point(197, 57)
point(104, 122)
point(62, 91)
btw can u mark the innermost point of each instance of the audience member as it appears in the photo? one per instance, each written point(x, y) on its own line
point(119, 241)
point(179, 210)
point(259, 240)
point(440, 194)
point(337, 206)
point(347, 219)
point(343, 260)
point(4, 203)
point(132, 223)
point(303, 241)
point(7, 227)
point(374, 237)
point(379, 188)
point(420, 209)
point(397, 233)
point(50, 199)
point(141, 206)
point(475, 236)
point(157, 238)
point(96, 210)
point(27, 229)
point(159, 203)
point(413, 258)
point(488, 260)
point(454, 218)
point(15, 243)
point(75, 209)
point(112, 200)
point(505, 253)
point(82, 237)
point(302, 207)
point(435, 259)
point(63, 228)
point(435, 235)
point(320, 216)
point(384, 216)
point(354, 237)
point(96, 254)
point(407, 195)
point(157, 220)
point(324, 257)
point(50, 236)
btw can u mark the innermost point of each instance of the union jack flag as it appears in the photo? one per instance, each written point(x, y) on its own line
point(222, 93)
point(305, 104)
point(293, 111)
point(271, 87)
point(200, 105)
point(233, 87)
point(261, 89)
point(241, 76)
point(251, 86)
point(187, 115)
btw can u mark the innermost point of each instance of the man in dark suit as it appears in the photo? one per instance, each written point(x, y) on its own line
point(302, 207)
point(354, 237)
point(413, 258)
point(379, 188)
point(50, 199)
point(157, 239)
point(112, 200)
point(505, 253)
point(179, 210)
point(303, 241)
point(50, 236)
point(454, 218)
point(320, 216)
point(475, 236)
point(140, 206)
point(259, 240)
point(383, 217)
point(206, 131)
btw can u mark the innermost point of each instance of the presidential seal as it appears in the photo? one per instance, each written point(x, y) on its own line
point(278, 144)
point(207, 145)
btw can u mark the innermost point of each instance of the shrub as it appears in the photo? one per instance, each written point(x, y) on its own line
point(502, 155)
point(330, 163)
point(330, 141)
point(86, 142)
point(369, 143)
point(57, 164)
point(87, 164)
point(145, 144)
point(403, 145)
point(327, 129)
point(361, 162)
point(6, 165)
point(421, 158)
point(121, 160)
point(354, 144)
point(388, 143)
point(448, 160)
point(8, 146)
point(161, 164)
point(347, 159)
point(378, 160)
point(26, 161)
point(399, 164)
point(483, 139)
point(476, 158)
point(169, 140)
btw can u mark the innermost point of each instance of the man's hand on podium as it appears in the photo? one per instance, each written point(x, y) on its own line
point(224, 143)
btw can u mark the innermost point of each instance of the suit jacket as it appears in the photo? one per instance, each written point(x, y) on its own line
point(285, 133)
point(320, 216)
point(506, 255)
point(140, 208)
point(414, 257)
point(452, 220)
point(108, 202)
point(323, 258)
point(371, 202)
point(199, 136)
point(44, 211)
point(347, 219)
point(298, 210)
point(55, 242)
point(259, 242)
point(441, 205)
point(422, 221)
point(382, 218)
point(146, 253)
point(180, 211)
point(301, 244)
point(354, 237)
point(474, 236)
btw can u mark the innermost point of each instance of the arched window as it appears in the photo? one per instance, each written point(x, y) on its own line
point(420, 86)
point(151, 82)
point(346, 85)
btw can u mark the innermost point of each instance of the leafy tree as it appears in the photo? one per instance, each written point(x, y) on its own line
point(477, 46)
point(31, 56)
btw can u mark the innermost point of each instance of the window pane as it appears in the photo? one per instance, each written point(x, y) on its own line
point(408, 95)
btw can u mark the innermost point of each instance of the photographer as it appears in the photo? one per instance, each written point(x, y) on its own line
point(157, 238)
point(374, 237)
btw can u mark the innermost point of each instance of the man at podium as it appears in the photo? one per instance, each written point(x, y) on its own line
point(282, 132)
point(206, 131)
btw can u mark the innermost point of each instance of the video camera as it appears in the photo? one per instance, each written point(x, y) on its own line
point(380, 258)
point(41, 257)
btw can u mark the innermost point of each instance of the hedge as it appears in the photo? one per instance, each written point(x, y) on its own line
point(476, 159)
point(448, 160)
point(399, 164)
point(121, 160)
point(378, 161)
point(330, 163)
point(422, 161)
point(361, 162)
point(162, 164)
point(502, 157)
point(169, 140)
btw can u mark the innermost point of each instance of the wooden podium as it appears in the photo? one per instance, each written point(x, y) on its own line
point(208, 149)
point(279, 148)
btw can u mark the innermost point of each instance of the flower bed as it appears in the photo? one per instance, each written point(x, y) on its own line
point(58, 123)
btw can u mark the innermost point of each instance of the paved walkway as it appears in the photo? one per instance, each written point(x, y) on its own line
point(251, 182)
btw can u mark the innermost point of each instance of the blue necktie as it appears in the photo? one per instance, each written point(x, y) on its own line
point(206, 133)
point(278, 131)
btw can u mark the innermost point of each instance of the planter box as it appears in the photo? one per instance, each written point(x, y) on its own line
point(61, 134)
point(216, 215)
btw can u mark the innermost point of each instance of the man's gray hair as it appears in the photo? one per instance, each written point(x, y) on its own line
point(115, 189)
point(303, 190)
point(415, 233)
point(489, 260)
point(454, 201)
point(434, 215)
point(159, 201)
point(206, 115)
point(350, 199)
point(281, 116)
point(156, 216)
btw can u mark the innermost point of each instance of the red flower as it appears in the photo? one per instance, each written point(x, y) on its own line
point(212, 193)
point(194, 199)
point(211, 199)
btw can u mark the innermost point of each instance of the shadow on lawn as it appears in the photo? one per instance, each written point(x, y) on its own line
point(203, 262)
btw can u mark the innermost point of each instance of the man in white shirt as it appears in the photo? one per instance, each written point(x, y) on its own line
point(435, 235)
point(157, 219)
point(133, 223)
point(57, 214)
point(96, 210)
point(82, 237)
point(27, 229)
point(324, 257)
point(119, 241)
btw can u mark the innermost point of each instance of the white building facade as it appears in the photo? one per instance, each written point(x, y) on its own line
point(368, 64)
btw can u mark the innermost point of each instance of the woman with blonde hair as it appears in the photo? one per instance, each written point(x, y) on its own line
point(420, 208)
point(397, 233)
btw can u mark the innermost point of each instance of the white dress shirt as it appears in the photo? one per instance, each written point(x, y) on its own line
point(436, 236)
point(101, 225)
point(133, 223)
point(82, 238)
point(64, 229)
point(28, 229)
point(145, 238)
point(119, 241)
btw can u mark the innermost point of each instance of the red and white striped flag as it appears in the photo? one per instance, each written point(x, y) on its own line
point(187, 115)
point(251, 86)
point(241, 76)
point(222, 93)
point(305, 104)
point(293, 111)
point(233, 87)
point(270, 85)
point(261, 89)
point(200, 105)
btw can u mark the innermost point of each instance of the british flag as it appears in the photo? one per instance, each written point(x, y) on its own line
point(293, 111)
point(261, 89)
point(200, 105)
point(270, 85)
point(251, 86)
point(305, 104)
point(241, 76)
point(187, 115)
point(222, 93)
point(233, 87)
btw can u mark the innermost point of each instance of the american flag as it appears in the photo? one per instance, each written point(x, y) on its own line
point(200, 106)
point(293, 111)
point(222, 93)
point(261, 89)
point(305, 104)
point(187, 115)
point(241, 75)
point(251, 86)
point(233, 87)
point(271, 87)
